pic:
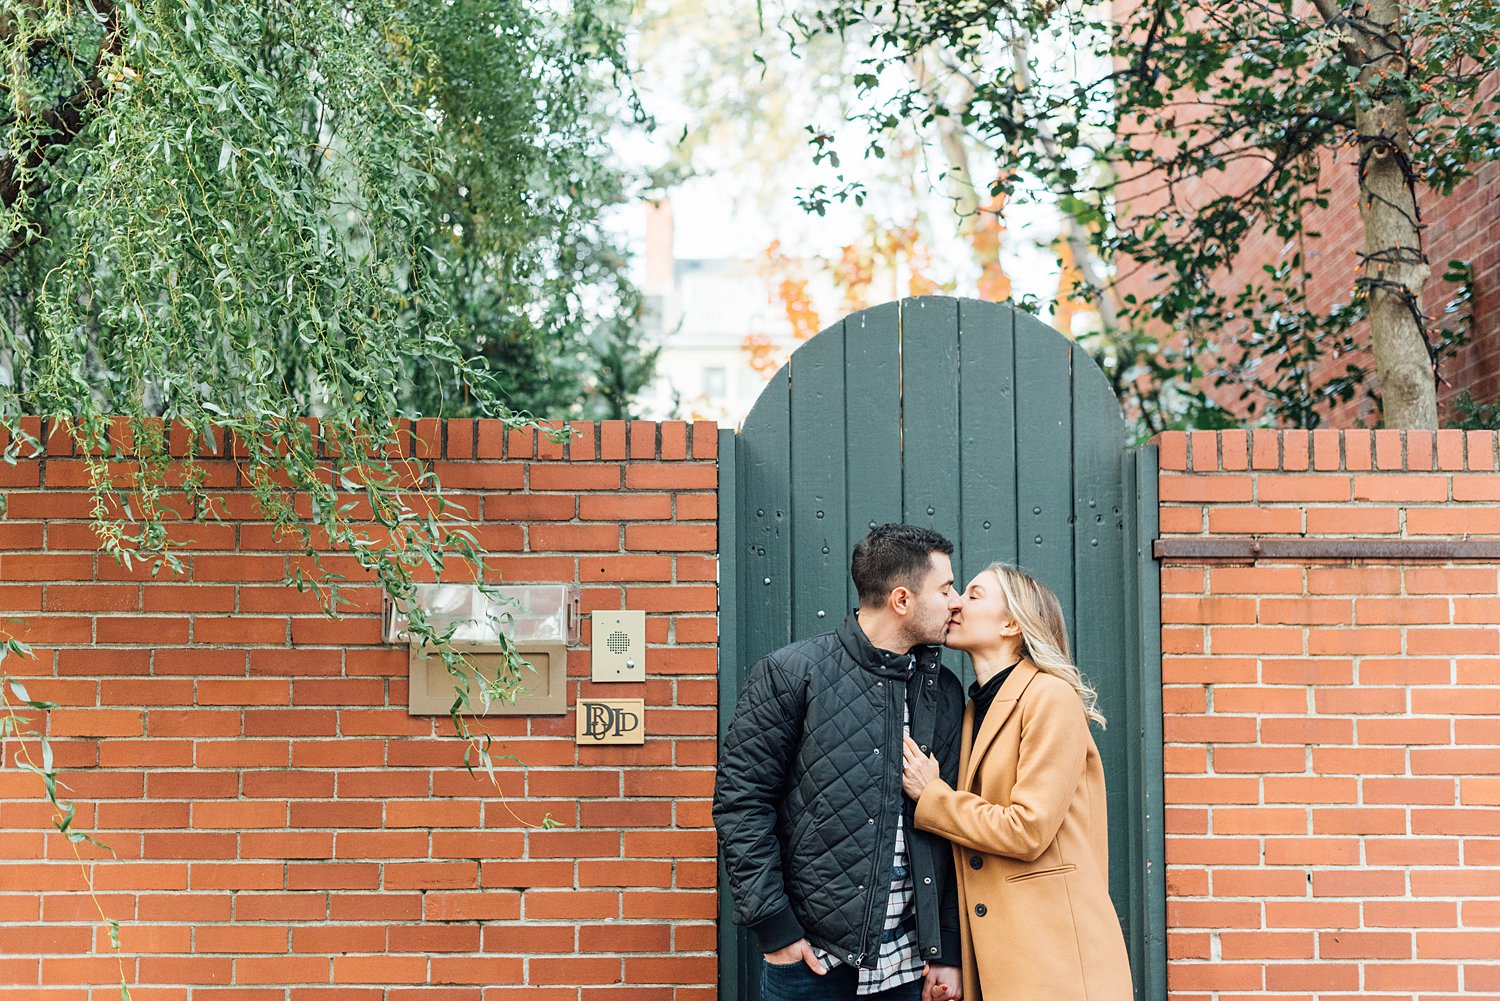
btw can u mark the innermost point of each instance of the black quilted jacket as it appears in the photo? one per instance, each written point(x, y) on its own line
point(808, 789)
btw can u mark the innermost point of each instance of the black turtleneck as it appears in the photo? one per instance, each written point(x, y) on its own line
point(984, 694)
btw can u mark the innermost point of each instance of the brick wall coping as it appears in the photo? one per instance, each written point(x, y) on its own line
point(1329, 451)
point(463, 438)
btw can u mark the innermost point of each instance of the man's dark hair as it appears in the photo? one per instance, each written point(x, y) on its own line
point(893, 556)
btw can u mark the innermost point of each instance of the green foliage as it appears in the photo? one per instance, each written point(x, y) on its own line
point(1471, 415)
point(17, 722)
point(624, 370)
point(514, 223)
point(231, 215)
point(1133, 130)
point(289, 207)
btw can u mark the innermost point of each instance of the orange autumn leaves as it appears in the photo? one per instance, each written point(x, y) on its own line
point(890, 262)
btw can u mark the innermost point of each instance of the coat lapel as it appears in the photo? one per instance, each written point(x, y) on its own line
point(1000, 710)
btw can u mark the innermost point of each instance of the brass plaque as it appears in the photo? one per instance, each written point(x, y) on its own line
point(611, 721)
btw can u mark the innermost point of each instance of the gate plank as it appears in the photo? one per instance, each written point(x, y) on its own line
point(987, 441)
point(820, 561)
point(929, 408)
point(734, 956)
point(929, 434)
point(872, 384)
point(1145, 858)
point(987, 432)
point(1101, 650)
point(731, 606)
point(765, 537)
point(1044, 471)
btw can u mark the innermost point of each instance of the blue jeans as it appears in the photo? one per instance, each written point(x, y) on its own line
point(797, 983)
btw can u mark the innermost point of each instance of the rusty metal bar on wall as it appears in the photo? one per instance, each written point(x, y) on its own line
point(1384, 550)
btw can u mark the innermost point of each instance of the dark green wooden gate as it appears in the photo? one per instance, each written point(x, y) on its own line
point(978, 420)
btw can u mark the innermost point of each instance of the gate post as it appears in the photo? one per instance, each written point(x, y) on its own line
point(732, 973)
point(1146, 833)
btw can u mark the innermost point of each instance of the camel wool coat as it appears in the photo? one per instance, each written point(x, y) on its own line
point(1029, 834)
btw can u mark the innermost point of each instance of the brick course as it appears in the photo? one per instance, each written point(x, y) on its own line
point(283, 829)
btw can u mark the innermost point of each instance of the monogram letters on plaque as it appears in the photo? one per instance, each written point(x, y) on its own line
point(611, 721)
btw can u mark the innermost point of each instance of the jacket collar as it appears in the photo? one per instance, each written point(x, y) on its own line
point(1000, 710)
point(925, 658)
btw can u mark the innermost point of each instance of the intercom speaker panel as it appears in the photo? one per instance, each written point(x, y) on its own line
point(619, 646)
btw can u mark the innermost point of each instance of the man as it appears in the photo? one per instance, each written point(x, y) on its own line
point(844, 895)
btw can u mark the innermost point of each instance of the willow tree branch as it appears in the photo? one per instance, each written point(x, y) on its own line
point(60, 125)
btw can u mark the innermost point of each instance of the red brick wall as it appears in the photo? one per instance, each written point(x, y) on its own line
point(1332, 728)
point(285, 830)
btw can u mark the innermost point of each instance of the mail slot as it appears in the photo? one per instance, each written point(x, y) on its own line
point(540, 621)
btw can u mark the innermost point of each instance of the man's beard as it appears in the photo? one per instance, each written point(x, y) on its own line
point(923, 632)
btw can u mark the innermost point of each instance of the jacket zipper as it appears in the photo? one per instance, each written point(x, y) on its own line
point(926, 699)
point(889, 852)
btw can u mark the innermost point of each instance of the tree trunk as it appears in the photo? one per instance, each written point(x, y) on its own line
point(1395, 265)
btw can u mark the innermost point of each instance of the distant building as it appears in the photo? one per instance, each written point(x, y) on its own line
point(702, 312)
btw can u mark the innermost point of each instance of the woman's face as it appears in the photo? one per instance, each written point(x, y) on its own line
point(983, 620)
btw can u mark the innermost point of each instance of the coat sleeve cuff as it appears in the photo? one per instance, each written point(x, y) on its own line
point(778, 931)
point(923, 818)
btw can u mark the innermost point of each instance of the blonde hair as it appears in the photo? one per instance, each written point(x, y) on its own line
point(1044, 633)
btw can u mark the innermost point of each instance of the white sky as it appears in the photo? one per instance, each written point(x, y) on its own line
point(744, 203)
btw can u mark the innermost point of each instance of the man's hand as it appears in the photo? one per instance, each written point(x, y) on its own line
point(943, 983)
point(799, 950)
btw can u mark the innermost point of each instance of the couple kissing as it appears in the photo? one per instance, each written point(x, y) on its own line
point(883, 839)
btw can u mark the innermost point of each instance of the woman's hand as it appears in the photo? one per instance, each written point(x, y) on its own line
point(919, 769)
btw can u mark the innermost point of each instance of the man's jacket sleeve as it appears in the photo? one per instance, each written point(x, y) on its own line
point(754, 767)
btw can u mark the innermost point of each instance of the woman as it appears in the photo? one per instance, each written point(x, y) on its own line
point(1027, 820)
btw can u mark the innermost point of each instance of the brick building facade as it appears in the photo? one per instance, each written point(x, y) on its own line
point(1463, 226)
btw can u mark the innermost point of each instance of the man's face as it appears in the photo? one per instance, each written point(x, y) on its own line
point(933, 603)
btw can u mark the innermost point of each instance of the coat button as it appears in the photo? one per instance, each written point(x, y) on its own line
point(979, 909)
point(975, 862)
